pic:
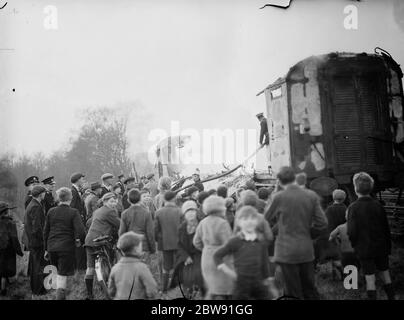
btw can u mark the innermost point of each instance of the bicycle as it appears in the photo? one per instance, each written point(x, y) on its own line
point(104, 261)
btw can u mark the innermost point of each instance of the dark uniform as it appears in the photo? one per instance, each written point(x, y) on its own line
point(28, 182)
point(34, 222)
point(78, 203)
point(49, 201)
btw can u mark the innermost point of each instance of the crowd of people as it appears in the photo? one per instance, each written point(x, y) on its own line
point(253, 244)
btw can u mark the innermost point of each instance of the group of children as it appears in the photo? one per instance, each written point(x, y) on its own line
point(233, 262)
point(220, 247)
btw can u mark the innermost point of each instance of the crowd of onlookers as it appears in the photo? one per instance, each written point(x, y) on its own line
point(253, 244)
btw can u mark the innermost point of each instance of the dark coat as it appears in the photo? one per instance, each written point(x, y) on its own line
point(48, 201)
point(105, 221)
point(63, 226)
point(125, 202)
point(190, 275)
point(138, 219)
point(34, 222)
point(335, 214)
point(78, 204)
point(296, 212)
point(27, 199)
point(91, 204)
point(8, 233)
point(264, 135)
point(368, 228)
point(168, 220)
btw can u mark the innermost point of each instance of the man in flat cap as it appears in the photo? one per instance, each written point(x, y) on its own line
point(30, 183)
point(34, 222)
point(107, 182)
point(92, 200)
point(77, 180)
point(152, 185)
point(49, 200)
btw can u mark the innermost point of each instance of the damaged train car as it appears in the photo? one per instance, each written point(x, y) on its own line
point(336, 114)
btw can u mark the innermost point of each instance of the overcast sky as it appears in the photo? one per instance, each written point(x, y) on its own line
point(198, 62)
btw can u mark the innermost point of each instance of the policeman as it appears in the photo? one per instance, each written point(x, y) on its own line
point(49, 200)
point(30, 183)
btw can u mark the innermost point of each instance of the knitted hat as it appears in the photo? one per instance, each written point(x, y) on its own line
point(229, 202)
point(248, 198)
point(214, 204)
point(189, 205)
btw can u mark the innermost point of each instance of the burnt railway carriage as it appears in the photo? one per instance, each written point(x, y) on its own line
point(336, 114)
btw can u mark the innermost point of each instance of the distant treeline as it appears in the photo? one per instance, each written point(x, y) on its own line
point(101, 146)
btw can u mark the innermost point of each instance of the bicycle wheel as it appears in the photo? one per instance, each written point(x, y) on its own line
point(102, 269)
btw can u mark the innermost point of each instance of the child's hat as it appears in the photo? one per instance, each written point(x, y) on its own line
point(189, 205)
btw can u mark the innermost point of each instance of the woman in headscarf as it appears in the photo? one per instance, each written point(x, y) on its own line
point(187, 271)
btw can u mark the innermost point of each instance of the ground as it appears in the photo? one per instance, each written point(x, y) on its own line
point(329, 289)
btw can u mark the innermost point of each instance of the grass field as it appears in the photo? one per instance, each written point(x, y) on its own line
point(329, 289)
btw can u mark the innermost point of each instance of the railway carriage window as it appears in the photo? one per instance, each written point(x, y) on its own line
point(276, 93)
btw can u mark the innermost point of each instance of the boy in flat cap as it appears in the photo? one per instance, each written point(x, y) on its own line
point(9, 246)
point(105, 221)
point(107, 183)
point(77, 180)
point(30, 183)
point(49, 200)
point(34, 222)
point(92, 200)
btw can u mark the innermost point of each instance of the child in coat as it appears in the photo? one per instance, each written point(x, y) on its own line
point(251, 262)
point(130, 278)
point(212, 233)
point(9, 246)
point(369, 233)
